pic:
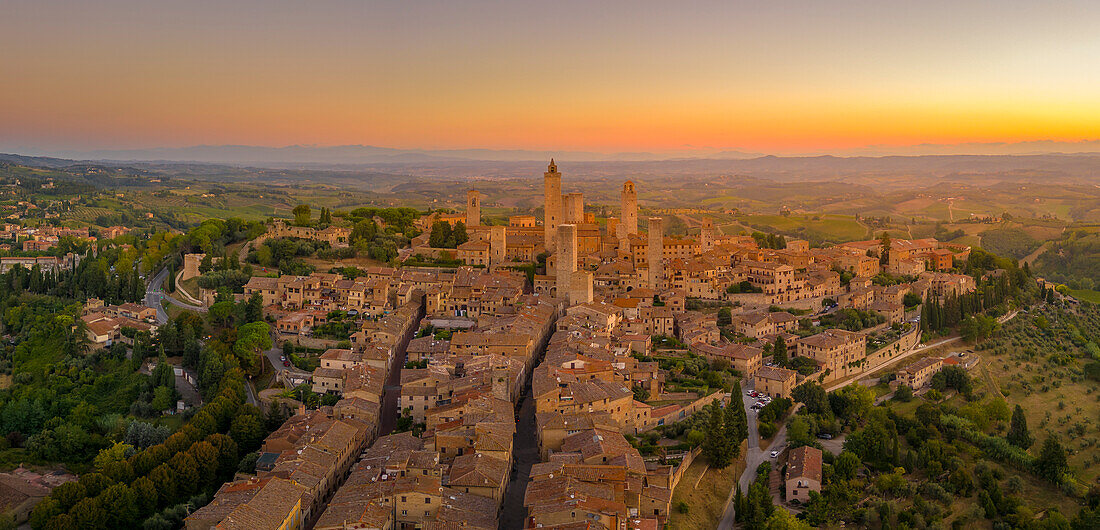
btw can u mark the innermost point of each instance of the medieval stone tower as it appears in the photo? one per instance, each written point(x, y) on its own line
point(473, 208)
point(706, 235)
point(655, 252)
point(498, 242)
point(629, 220)
point(573, 210)
point(566, 259)
point(552, 214)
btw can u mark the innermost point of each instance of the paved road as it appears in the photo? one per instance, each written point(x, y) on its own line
point(251, 393)
point(513, 514)
point(274, 354)
point(755, 456)
point(845, 382)
point(155, 296)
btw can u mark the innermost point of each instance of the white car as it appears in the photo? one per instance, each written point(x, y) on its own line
point(749, 392)
point(775, 454)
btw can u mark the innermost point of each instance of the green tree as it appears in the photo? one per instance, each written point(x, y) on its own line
point(783, 520)
point(123, 510)
point(812, 396)
point(976, 328)
point(852, 403)
point(799, 431)
point(459, 234)
point(248, 431)
point(779, 351)
point(116, 453)
point(1051, 463)
point(364, 230)
point(162, 398)
point(68, 494)
point(145, 495)
point(725, 316)
point(302, 215)
point(716, 446)
point(164, 482)
point(846, 465)
point(884, 249)
point(254, 308)
point(221, 313)
point(735, 423)
point(903, 394)
point(440, 234)
point(89, 513)
point(251, 339)
point(1018, 433)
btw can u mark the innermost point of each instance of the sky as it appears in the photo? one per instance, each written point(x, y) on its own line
point(776, 76)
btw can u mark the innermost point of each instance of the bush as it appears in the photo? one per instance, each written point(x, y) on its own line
point(767, 429)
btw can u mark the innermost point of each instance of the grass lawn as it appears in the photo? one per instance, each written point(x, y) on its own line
point(707, 502)
point(173, 310)
point(1087, 295)
point(831, 227)
point(190, 285)
point(1055, 400)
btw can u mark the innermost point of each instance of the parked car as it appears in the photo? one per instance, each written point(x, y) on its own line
point(282, 358)
point(749, 392)
point(825, 436)
point(775, 454)
point(286, 363)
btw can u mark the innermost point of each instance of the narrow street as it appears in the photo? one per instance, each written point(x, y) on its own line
point(525, 452)
point(753, 458)
point(392, 394)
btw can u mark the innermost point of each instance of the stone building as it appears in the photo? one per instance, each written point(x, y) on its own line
point(919, 374)
point(775, 381)
point(473, 208)
point(552, 209)
point(803, 473)
point(655, 253)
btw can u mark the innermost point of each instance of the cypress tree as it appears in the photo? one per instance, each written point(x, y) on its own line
point(779, 351)
point(1018, 433)
point(716, 445)
point(1052, 464)
point(738, 505)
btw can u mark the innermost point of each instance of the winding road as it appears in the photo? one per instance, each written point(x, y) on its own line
point(155, 296)
point(757, 456)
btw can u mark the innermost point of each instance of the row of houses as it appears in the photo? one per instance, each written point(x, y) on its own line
point(455, 473)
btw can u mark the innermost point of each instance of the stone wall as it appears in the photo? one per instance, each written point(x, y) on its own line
point(893, 350)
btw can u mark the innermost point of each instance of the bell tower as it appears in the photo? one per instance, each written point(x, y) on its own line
point(552, 205)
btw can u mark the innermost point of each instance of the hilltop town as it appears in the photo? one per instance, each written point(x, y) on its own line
point(522, 390)
point(572, 366)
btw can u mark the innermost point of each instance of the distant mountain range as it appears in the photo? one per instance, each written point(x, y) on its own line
point(357, 155)
point(348, 155)
point(327, 163)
